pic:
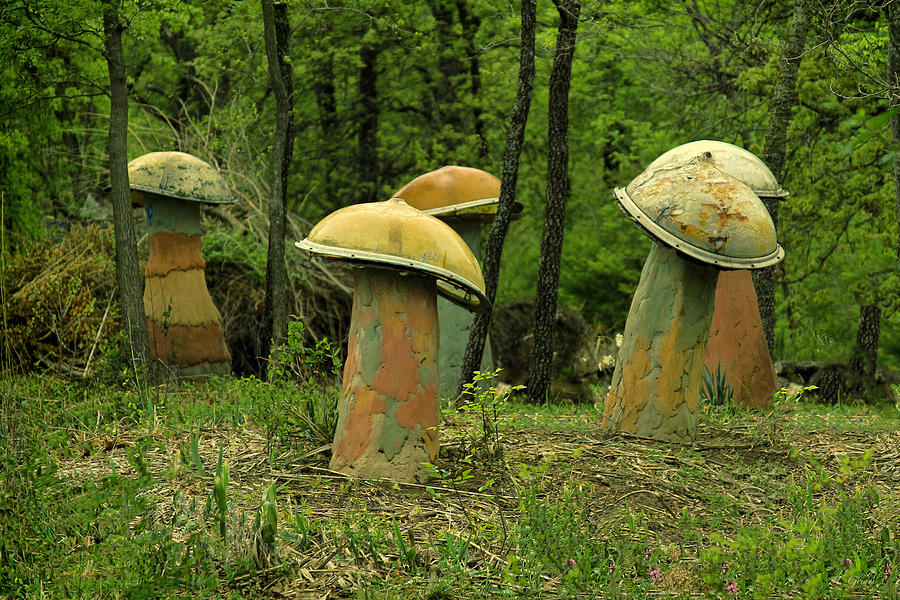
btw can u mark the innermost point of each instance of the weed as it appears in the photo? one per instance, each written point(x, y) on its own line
point(715, 387)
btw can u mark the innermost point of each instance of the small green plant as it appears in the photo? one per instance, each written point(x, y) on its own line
point(265, 529)
point(486, 401)
point(220, 488)
point(715, 387)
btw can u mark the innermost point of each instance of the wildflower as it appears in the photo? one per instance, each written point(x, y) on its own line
point(725, 567)
point(848, 562)
point(731, 587)
point(647, 553)
point(612, 567)
point(654, 573)
point(570, 562)
point(619, 340)
point(887, 571)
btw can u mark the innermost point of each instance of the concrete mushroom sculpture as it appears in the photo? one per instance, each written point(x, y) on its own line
point(185, 326)
point(737, 343)
point(465, 198)
point(389, 407)
point(703, 220)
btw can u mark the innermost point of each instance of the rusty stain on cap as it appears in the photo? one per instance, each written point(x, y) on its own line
point(734, 160)
point(704, 213)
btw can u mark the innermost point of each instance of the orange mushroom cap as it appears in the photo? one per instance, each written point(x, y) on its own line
point(453, 191)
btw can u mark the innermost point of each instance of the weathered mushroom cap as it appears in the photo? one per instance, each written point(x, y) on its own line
point(394, 235)
point(453, 191)
point(178, 175)
point(734, 160)
point(703, 213)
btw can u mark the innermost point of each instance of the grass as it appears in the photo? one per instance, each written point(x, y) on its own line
point(220, 489)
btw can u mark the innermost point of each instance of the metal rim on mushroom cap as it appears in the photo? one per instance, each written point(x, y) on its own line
point(453, 190)
point(704, 213)
point(178, 175)
point(734, 160)
point(394, 235)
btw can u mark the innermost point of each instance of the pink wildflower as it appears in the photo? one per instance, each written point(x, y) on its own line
point(571, 561)
point(612, 567)
point(848, 562)
point(654, 573)
point(647, 553)
point(887, 570)
point(725, 567)
point(731, 587)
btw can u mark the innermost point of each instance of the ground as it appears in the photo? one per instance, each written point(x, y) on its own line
point(797, 501)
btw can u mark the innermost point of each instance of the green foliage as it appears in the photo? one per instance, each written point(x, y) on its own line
point(820, 550)
point(299, 402)
point(485, 401)
point(715, 387)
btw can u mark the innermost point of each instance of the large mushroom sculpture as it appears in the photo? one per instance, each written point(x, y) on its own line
point(466, 199)
point(702, 220)
point(389, 407)
point(737, 346)
point(184, 324)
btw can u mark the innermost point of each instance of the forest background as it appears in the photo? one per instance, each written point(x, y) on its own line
point(385, 91)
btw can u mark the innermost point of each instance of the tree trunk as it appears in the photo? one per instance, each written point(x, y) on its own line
point(277, 32)
point(324, 89)
point(470, 24)
point(541, 369)
point(892, 11)
point(865, 354)
point(780, 105)
point(514, 140)
point(128, 274)
point(367, 134)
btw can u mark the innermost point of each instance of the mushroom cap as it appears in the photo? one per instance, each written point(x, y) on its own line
point(704, 213)
point(734, 160)
point(177, 175)
point(394, 235)
point(453, 191)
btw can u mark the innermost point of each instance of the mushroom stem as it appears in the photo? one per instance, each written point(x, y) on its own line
point(185, 326)
point(738, 344)
point(388, 412)
point(655, 389)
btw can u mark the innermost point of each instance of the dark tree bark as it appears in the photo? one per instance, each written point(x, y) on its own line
point(784, 96)
point(514, 139)
point(470, 24)
point(367, 134)
point(326, 102)
point(128, 275)
point(541, 369)
point(865, 354)
point(892, 11)
point(277, 34)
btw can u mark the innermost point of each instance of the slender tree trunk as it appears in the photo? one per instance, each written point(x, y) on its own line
point(277, 33)
point(865, 354)
point(470, 25)
point(367, 134)
point(784, 97)
point(128, 274)
point(514, 140)
point(324, 89)
point(892, 11)
point(541, 369)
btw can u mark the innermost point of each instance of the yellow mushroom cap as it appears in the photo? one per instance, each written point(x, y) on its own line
point(704, 213)
point(394, 235)
point(178, 175)
point(453, 191)
point(734, 160)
